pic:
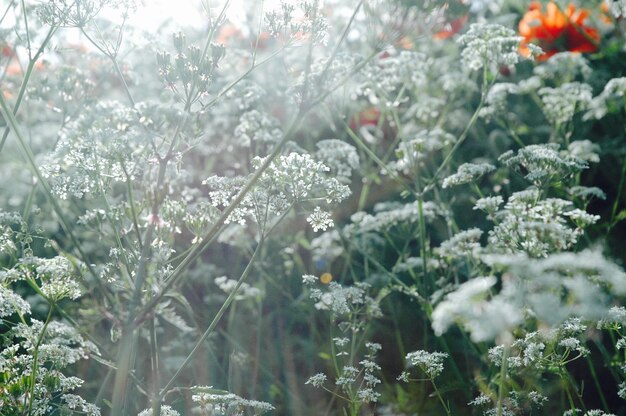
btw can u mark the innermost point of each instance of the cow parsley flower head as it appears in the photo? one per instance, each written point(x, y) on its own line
point(317, 380)
point(95, 149)
point(213, 401)
point(57, 277)
point(585, 150)
point(77, 403)
point(542, 163)
point(610, 100)
point(341, 157)
point(11, 303)
point(467, 172)
point(414, 150)
point(587, 279)
point(165, 411)
point(489, 45)
point(562, 102)
point(489, 204)
point(564, 67)
point(320, 220)
point(430, 363)
point(244, 292)
point(471, 306)
point(462, 244)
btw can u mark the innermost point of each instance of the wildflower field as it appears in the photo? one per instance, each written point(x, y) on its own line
point(338, 207)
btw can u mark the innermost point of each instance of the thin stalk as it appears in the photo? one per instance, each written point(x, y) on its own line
point(23, 87)
point(456, 146)
point(131, 202)
point(33, 376)
point(618, 196)
point(154, 360)
point(216, 319)
point(502, 380)
point(440, 397)
point(597, 384)
point(422, 234)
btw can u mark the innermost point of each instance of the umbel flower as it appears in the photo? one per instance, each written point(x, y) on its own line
point(555, 31)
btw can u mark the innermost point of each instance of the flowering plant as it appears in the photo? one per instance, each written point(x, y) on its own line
point(395, 207)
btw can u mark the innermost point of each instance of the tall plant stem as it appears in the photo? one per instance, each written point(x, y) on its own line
point(502, 380)
point(216, 319)
point(33, 375)
point(27, 75)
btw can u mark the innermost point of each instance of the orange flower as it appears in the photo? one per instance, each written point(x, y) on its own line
point(555, 31)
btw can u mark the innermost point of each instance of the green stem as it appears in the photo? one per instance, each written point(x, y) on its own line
point(154, 358)
point(597, 384)
point(23, 87)
point(216, 319)
point(438, 394)
point(502, 380)
point(33, 376)
point(618, 196)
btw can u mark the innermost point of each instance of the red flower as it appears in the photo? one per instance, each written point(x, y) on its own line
point(367, 117)
point(555, 31)
point(451, 28)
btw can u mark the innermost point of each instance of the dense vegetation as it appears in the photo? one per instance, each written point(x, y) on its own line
point(374, 207)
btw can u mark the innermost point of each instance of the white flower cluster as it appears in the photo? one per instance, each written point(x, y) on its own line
point(245, 290)
point(78, 404)
point(561, 103)
point(326, 247)
point(165, 411)
point(585, 150)
point(546, 350)
point(407, 69)
point(462, 244)
point(564, 67)
point(290, 179)
point(96, 149)
point(430, 363)
point(610, 100)
point(257, 127)
point(341, 157)
point(472, 305)
point(58, 347)
point(219, 403)
point(345, 300)
point(467, 173)
point(586, 277)
point(320, 220)
point(533, 225)
point(515, 403)
point(543, 163)
point(11, 303)
point(57, 277)
point(594, 412)
point(350, 378)
point(489, 205)
point(414, 150)
point(489, 45)
point(391, 214)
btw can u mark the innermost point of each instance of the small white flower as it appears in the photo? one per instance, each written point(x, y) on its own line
point(320, 220)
